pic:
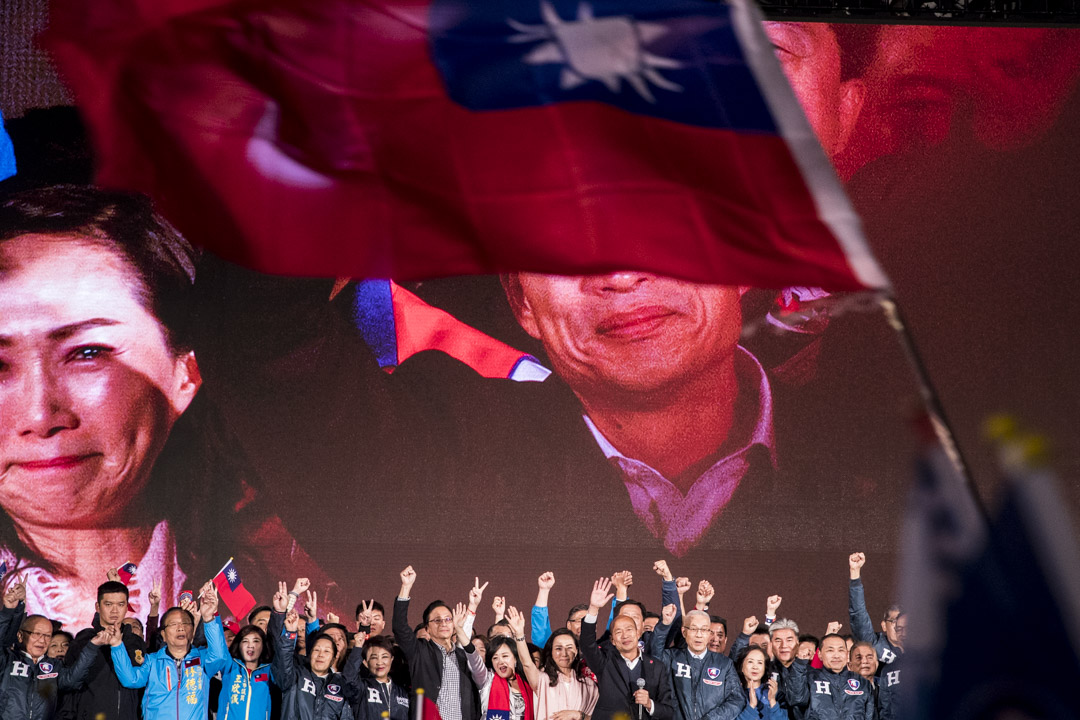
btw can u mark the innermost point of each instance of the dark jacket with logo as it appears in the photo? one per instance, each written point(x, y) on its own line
point(372, 697)
point(888, 689)
point(103, 697)
point(30, 689)
point(707, 689)
point(305, 695)
point(862, 629)
point(827, 695)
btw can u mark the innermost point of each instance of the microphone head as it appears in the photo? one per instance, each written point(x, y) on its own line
point(641, 683)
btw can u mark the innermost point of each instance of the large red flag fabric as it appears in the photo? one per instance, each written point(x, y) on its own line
point(420, 138)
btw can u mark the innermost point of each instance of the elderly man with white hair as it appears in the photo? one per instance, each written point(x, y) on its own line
point(704, 683)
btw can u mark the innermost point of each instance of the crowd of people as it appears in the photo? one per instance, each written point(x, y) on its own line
point(613, 658)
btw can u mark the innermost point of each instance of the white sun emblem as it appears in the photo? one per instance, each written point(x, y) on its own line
point(231, 575)
point(609, 49)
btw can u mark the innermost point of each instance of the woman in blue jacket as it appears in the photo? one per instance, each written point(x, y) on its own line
point(246, 681)
point(761, 694)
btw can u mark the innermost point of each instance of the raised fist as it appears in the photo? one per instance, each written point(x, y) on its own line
point(855, 562)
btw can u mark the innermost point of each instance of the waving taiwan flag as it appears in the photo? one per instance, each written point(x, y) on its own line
point(232, 591)
point(419, 138)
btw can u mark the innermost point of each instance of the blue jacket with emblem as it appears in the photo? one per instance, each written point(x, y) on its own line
point(245, 694)
point(30, 688)
point(372, 697)
point(709, 690)
point(176, 688)
point(862, 629)
point(827, 695)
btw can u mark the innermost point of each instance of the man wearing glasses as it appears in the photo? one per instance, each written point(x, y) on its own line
point(177, 677)
point(439, 665)
point(703, 682)
point(31, 682)
point(889, 643)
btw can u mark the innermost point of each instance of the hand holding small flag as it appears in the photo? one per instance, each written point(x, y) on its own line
point(209, 601)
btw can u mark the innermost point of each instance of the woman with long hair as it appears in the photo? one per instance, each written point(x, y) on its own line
point(562, 686)
point(245, 683)
point(106, 453)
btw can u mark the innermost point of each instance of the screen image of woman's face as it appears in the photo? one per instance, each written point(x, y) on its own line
point(89, 389)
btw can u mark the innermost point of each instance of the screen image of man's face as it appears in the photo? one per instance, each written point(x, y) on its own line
point(628, 332)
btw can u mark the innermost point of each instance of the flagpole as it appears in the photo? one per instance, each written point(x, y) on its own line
point(931, 400)
point(223, 567)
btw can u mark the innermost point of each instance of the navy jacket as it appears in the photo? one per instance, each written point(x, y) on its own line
point(709, 692)
point(30, 689)
point(305, 695)
point(862, 629)
point(827, 695)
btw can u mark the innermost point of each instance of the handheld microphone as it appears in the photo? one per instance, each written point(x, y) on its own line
point(640, 708)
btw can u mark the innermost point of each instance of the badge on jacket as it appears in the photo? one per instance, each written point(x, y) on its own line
point(138, 657)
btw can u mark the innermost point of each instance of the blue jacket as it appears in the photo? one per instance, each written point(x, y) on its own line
point(176, 689)
point(711, 692)
point(763, 711)
point(245, 694)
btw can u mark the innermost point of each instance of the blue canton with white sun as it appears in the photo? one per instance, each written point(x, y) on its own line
point(678, 60)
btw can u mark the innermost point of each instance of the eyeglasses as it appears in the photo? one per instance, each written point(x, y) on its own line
point(45, 635)
point(179, 624)
point(441, 621)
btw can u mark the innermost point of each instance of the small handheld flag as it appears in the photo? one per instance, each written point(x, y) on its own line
point(232, 591)
point(126, 572)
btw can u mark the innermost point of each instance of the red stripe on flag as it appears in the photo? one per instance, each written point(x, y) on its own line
point(319, 141)
point(240, 601)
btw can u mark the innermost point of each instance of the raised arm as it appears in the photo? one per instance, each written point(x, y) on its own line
point(669, 589)
point(217, 656)
point(517, 624)
point(772, 606)
point(403, 632)
point(284, 664)
point(12, 613)
point(862, 629)
point(622, 581)
point(540, 629)
point(743, 638)
point(704, 596)
point(599, 598)
point(660, 634)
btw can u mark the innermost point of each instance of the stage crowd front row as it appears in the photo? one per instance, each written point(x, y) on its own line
point(614, 657)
